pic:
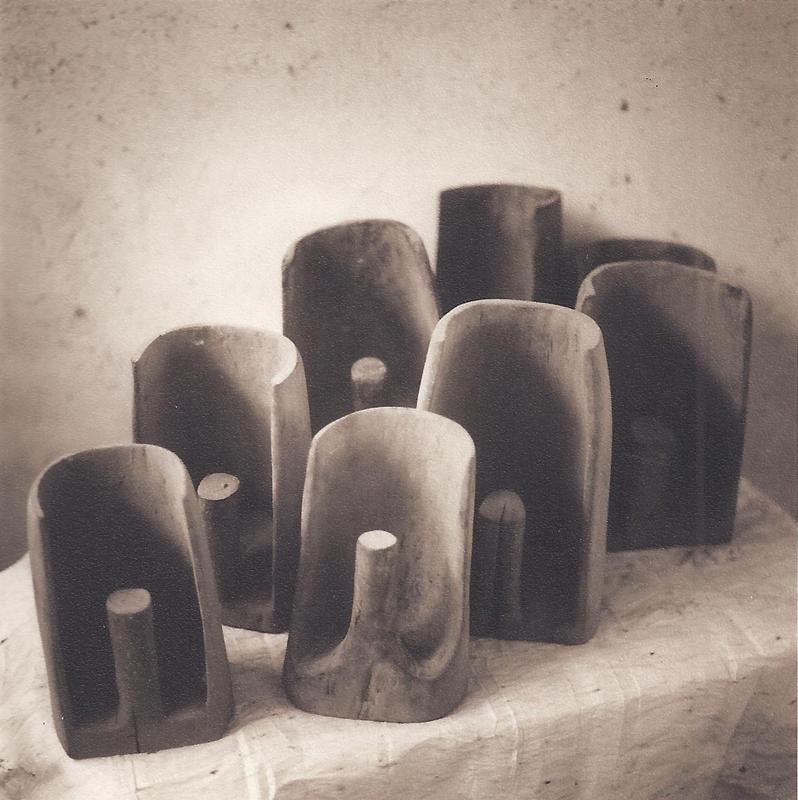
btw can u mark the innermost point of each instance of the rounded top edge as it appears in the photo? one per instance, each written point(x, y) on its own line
point(544, 195)
point(416, 415)
point(203, 330)
point(590, 329)
point(119, 451)
point(355, 224)
point(652, 267)
point(128, 602)
point(523, 306)
point(218, 486)
point(289, 360)
point(377, 540)
point(641, 249)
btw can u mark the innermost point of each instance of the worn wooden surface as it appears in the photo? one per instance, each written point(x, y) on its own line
point(678, 345)
point(584, 259)
point(687, 690)
point(357, 290)
point(126, 603)
point(529, 382)
point(500, 241)
point(380, 624)
point(233, 400)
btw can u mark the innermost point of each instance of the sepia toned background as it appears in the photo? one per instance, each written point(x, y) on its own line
point(158, 159)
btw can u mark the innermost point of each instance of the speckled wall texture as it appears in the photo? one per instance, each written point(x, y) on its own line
point(159, 158)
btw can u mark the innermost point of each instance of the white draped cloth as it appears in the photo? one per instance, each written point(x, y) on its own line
point(687, 691)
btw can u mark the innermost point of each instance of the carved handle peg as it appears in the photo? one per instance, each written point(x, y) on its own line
point(375, 557)
point(369, 376)
point(219, 501)
point(503, 512)
point(130, 626)
point(649, 460)
point(232, 403)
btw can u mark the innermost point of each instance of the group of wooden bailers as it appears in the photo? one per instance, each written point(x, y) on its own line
point(382, 481)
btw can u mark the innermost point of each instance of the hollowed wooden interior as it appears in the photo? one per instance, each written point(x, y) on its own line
point(409, 474)
point(527, 381)
point(352, 291)
point(499, 241)
point(208, 394)
point(678, 342)
point(115, 519)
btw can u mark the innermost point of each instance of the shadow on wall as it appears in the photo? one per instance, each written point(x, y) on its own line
point(769, 458)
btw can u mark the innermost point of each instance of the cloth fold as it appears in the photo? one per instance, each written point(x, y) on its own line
point(687, 690)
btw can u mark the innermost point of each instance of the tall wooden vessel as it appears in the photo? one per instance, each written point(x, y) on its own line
point(678, 345)
point(232, 403)
point(500, 241)
point(380, 624)
point(529, 382)
point(126, 602)
point(361, 290)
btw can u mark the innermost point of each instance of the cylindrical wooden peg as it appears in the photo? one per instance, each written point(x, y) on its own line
point(502, 520)
point(219, 499)
point(375, 554)
point(130, 626)
point(368, 382)
point(483, 571)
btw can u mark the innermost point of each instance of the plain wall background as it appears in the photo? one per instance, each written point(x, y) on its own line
point(159, 158)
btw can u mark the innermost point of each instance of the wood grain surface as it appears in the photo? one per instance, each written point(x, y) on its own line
point(380, 625)
point(529, 382)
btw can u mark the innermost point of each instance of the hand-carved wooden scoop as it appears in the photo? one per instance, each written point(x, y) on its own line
point(127, 603)
point(529, 382)
point(232, 403)
point(359, 291)
point(500, 241)
point(678, 343)
point(380, 624)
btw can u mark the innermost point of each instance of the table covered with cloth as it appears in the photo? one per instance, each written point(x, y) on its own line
point(687, 691)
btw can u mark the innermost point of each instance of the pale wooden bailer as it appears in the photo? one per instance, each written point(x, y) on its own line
point(380, 623)
point(529, 382)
